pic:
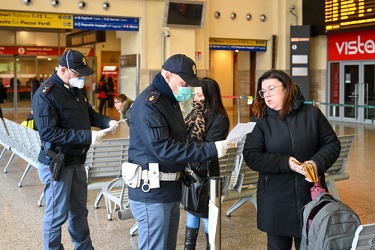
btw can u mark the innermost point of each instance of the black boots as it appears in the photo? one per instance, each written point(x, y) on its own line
point(191, 238)
point(208, 243)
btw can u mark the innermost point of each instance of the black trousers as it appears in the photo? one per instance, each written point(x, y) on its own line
point(110, 101)
point(102, 104)
point(277, 242)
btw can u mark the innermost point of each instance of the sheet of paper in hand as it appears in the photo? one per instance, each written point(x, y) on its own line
point(239, 131)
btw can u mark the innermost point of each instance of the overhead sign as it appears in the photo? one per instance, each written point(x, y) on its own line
point(29, 50)
point(355, 46)
point(105, 23)
point(85, 37)
point(35, 20)
point(238, 44)
point(40, 51)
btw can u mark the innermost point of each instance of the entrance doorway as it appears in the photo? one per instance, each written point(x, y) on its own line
point(16, 73)
point(357, 92)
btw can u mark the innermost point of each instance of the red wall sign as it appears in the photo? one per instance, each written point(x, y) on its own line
point(39, 51)
point(351, 46)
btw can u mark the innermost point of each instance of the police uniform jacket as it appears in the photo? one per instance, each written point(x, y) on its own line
point(217, 127)
point(158, 135)
point(304, 134)
point(64, 118)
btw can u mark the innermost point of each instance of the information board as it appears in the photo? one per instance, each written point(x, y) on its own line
point(105, 23)
point(35, 20)
point(349, 14)
point(238, 44)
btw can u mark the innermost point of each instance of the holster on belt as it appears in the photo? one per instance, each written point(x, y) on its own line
point(132, 174)
point(57, 163)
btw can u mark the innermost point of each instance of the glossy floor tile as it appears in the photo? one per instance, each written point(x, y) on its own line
point(21, 217)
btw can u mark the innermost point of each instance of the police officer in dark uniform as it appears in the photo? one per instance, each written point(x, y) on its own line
point(64, 118)
point(158, 140)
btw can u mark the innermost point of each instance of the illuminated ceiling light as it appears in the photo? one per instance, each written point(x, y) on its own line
point(263, 18)
point(82, 5)
point(27, 2)
point(248, 16)
point(233, 16)
point(55, 3)
point(105, 6)
point(217, 14)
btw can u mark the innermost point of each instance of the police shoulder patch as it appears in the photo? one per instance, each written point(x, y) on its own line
point(152, 97)
point(46, 88)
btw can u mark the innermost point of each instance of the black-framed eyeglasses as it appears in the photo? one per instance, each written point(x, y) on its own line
point(270, 90)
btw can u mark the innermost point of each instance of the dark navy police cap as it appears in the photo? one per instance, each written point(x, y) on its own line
point(184, 67)
point(75, 60)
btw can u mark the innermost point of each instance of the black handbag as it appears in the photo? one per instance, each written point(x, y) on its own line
point(195, 193)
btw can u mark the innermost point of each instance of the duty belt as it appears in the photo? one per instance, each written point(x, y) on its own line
point(163, 176)
point(148, 176)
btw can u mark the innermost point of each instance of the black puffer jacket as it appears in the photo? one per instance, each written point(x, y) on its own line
point(304, 134)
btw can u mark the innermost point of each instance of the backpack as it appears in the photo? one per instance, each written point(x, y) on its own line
point(97, 88)
point(328, 224)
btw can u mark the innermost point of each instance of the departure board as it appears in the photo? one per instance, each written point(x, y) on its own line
point(342, 15)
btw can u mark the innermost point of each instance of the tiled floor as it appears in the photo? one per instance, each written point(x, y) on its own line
point(20, 216)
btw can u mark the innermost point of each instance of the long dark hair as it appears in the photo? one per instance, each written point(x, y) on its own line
point(212, 95)
point(259, 108)
point(102, 78)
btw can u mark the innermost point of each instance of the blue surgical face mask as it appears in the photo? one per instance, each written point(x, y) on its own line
point(183, 94)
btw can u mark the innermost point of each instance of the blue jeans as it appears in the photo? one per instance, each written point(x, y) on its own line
point(65, 201)
point(193, 221)
point(157, 224)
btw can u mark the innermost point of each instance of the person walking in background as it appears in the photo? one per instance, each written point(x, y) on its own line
point(111, 89)
point(207, 122)
point(64, 118)
point(35, 84)
point(287, 133)
point(102, 95)
point(158, 142)
point(123, 104)
point(3, 92)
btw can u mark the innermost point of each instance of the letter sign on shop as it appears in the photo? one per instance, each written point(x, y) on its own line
point(358, 45)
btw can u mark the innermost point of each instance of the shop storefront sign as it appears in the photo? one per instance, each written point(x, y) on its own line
point(358, 45)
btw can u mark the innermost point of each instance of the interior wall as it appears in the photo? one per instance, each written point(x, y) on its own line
point(222, 71)
point(128, 8)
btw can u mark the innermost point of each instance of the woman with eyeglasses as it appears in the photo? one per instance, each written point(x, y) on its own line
point(287, 133)
point(123, 104)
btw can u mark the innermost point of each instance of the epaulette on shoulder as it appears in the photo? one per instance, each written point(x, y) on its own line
point(152, 97)
point(46, 88)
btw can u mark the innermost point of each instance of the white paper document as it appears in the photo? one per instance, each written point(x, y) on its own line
point(239, 131)
point(213, 218)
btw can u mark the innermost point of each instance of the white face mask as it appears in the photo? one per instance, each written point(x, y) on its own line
point(78, 82)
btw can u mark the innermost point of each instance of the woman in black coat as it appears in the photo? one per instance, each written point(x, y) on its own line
point(207, 122)
point(287, 133)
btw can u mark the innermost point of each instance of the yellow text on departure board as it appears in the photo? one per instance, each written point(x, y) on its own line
point(36, 20)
